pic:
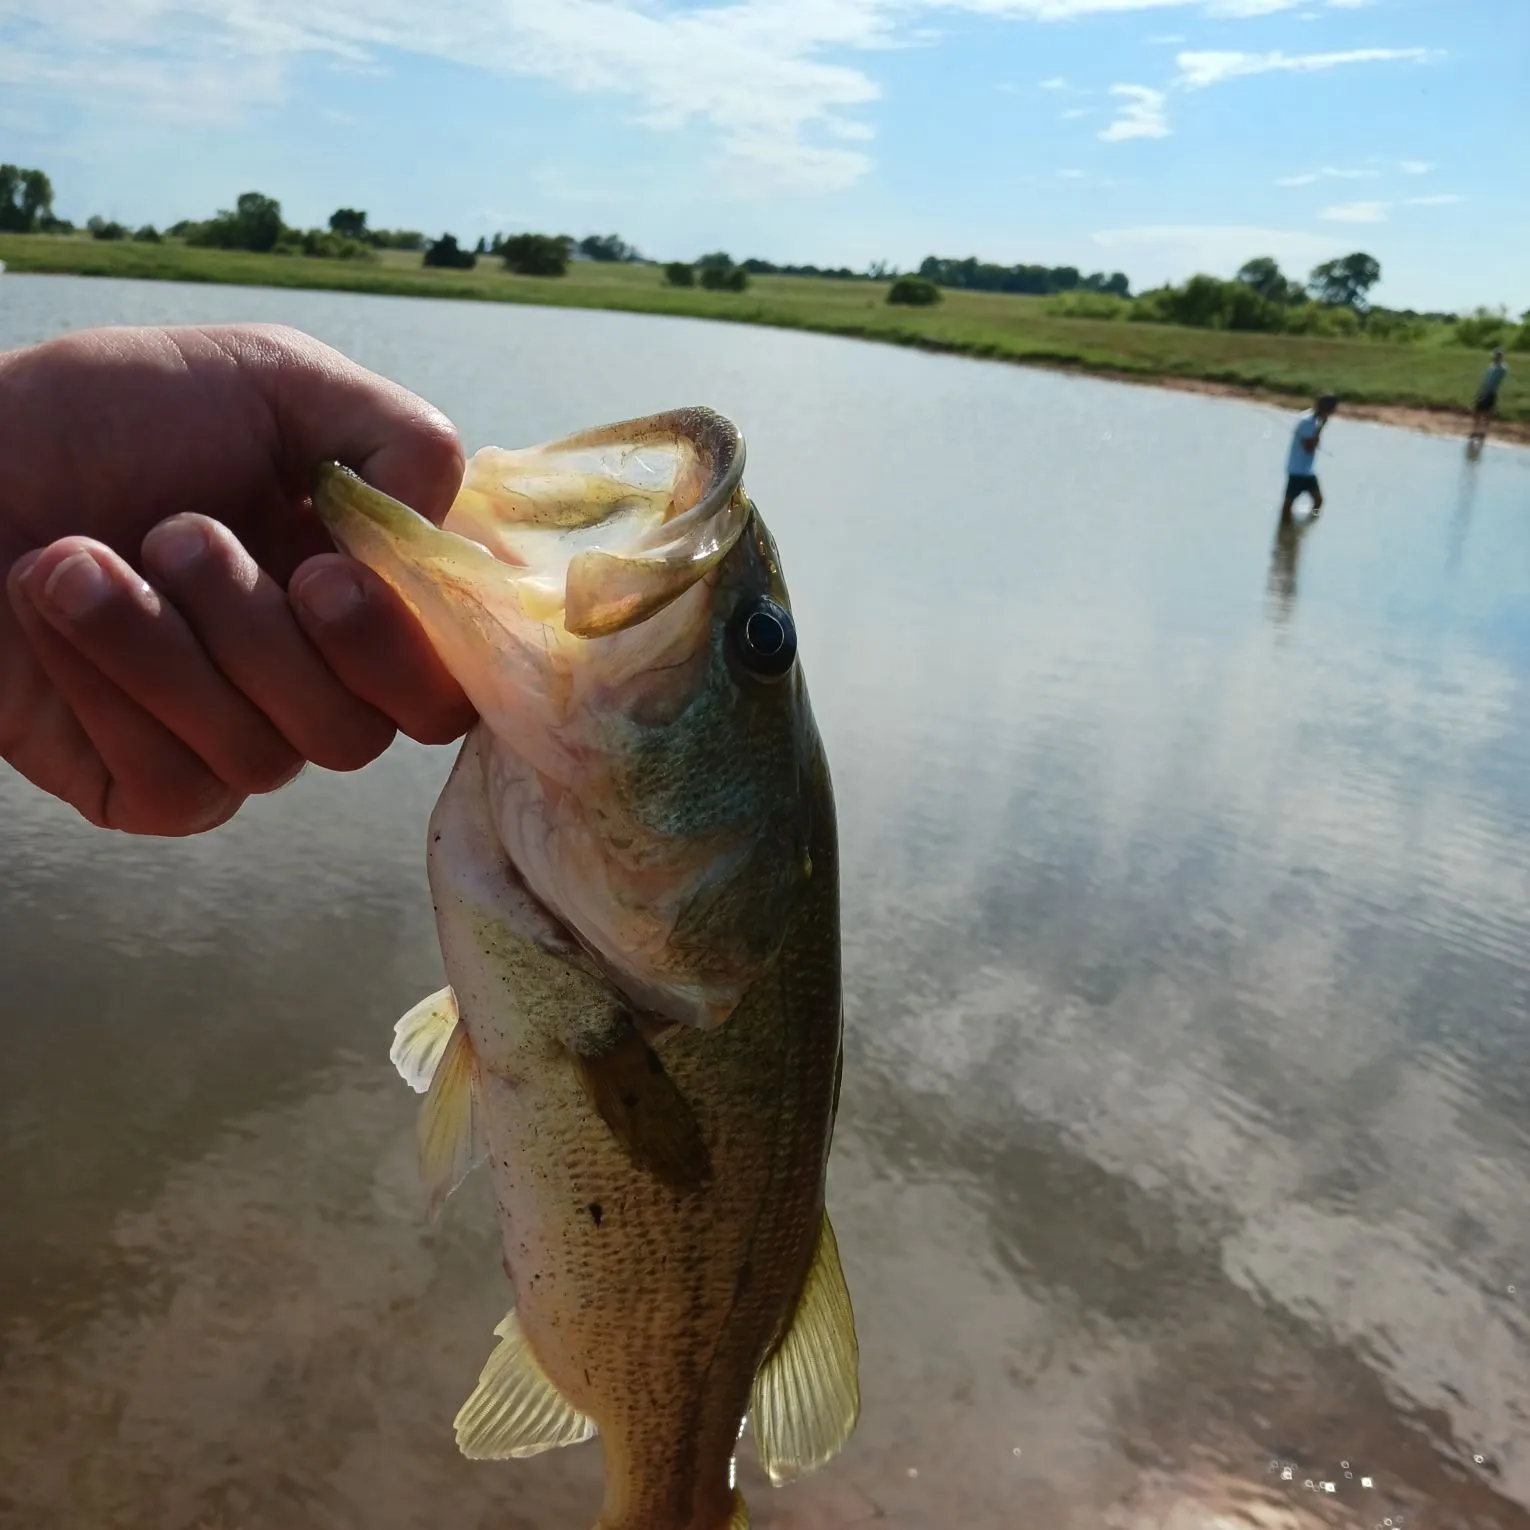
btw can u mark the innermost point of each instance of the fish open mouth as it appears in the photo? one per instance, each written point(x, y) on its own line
point(592, 534)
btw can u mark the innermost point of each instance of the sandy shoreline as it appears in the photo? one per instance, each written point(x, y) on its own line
point(1427, 421)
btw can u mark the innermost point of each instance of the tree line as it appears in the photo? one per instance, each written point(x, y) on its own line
point(976, 275)
point(1334, 299)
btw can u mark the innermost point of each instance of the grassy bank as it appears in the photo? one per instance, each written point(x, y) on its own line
point(994, 325)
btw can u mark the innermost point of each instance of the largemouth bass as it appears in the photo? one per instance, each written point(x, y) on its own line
point(634, 869)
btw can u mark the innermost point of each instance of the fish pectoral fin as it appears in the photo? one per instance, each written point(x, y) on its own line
point(807, 1395)
point(739, 1518)
point(449, 1129)
point(515, 1410)
point(420, 1038)
point(631, 1092)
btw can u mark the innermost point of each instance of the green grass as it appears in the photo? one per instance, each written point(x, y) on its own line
point(992, 325)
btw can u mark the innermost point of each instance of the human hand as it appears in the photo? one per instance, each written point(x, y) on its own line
point(179, 633)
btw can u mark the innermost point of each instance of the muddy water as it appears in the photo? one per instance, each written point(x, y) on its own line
point(1181, 1177)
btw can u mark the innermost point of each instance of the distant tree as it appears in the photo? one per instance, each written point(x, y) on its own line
point(983, 276)
point(254, 224)
point(679, 273)
point(482, 247)
point(1344, 283)
point(915, 291)
point(396, 239)
point(718, 260)
point(606, 247)
point(879, 271)
point(148, 234)
point(349, 223)
point(720, 278)
point(101, 228)
point(1264, 276)
point(26, 200)
point(446, 254)
point(537, 254)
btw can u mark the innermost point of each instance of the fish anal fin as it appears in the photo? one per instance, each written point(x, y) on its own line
point(807, 1396)
point(739, 1518)
point(449, 1129)
point(630, 1090)
point(515, 1410)
point(420, 1038)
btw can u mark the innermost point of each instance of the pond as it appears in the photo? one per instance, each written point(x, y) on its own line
point(1183, 1161)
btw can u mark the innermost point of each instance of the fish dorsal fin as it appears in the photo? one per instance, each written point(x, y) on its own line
point(449, 1131)
point(807, 1395)
point(515, 1410)
point(420, 1038)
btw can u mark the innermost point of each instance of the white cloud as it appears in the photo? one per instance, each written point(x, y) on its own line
point(1244, 8)
point(775, 82)
point(1328, 172)
point(1442, 199)
point(1355, 212)
point(1159, 253)
point(1167, 39)
point(1415, 166)
point(1074, 112)
point(1071, 175)
point(1197, 70)
point(1142, 114)
point(1057, 82)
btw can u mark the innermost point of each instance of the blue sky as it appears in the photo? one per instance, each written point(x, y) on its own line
point(1158, 137)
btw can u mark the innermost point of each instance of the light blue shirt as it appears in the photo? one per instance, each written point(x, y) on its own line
point(1494, 375)
point(1303, 457)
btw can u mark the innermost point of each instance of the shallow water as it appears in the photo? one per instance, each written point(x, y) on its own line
point(1182, 1167)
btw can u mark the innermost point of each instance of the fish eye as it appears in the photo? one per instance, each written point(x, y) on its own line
point(764, 638)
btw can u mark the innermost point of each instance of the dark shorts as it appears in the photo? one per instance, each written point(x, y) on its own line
point(1302, 483)
point(1487, 401)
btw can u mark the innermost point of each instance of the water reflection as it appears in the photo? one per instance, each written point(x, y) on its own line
point(1182, 1162)
point(1290, 530)
point(1466, 496)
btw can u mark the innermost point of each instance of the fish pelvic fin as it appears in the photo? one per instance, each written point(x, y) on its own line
point(807, 1396)
point(450, 1129)
point(515, 1410)
point(420, 1038)
point(631, 1091)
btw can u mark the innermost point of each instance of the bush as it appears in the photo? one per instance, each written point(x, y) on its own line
point(679, 274)
point(396, 239)
point(724, 279)
point(1394, 328)
point(148, 234)
point(1087, 305)
point(536, 254)
point(914, 291)
point(1205, 302)
point(100, 228)
point(1520, 339)
point(445, 254)
point(1483, 328)
point(321, 244)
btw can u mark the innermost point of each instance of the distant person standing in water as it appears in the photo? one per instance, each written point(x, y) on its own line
point(1487, 397)
point(1301, 462)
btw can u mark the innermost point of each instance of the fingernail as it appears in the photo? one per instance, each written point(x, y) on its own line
point(176, 545)
point(330, 594)
point(77, 586)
